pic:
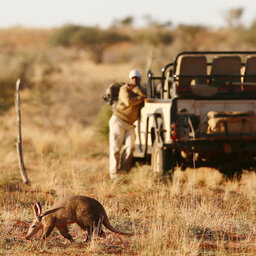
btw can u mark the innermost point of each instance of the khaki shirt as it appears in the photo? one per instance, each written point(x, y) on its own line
point(129, 103)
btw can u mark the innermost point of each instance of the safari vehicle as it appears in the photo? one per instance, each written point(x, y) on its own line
point(201, 112)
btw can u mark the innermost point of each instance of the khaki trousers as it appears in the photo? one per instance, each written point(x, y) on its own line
point(121, 139)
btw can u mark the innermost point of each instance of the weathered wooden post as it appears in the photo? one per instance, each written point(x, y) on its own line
point(19, 138)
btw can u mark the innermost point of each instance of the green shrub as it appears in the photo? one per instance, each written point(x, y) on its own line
point(103, 119)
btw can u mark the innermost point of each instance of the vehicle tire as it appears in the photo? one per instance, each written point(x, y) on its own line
point(157, 160)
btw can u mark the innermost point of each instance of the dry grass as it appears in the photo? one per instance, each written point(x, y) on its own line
point(198, 214)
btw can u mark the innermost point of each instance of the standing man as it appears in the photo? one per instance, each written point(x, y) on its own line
point(122, 133)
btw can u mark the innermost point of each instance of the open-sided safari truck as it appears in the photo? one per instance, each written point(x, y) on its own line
point(201, 111)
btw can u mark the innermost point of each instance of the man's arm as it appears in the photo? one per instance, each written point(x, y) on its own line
point(142, 91)
point(128, 99)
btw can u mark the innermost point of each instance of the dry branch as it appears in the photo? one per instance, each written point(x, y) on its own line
point(19, 138)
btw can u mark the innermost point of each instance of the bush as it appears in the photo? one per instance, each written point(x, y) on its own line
point(63, 35)
point(249, 35)
point(92, 38)
point(103, 119)
point(190, 37)
point(7, 90)
point(12, 68)
point(158, 38)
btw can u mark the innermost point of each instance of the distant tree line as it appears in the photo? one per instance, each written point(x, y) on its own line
point(156, 34)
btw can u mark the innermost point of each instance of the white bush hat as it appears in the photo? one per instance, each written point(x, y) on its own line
point(134, 73)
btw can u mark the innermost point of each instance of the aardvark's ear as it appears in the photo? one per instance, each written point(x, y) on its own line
point(37, 209)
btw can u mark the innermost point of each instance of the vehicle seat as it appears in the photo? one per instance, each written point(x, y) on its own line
point(191, 66)
point(250, 70)
point(226, 69)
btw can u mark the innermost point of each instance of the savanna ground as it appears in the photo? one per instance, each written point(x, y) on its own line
point(66, 152)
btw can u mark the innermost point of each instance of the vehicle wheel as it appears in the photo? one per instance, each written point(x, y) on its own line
point(157, 160)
